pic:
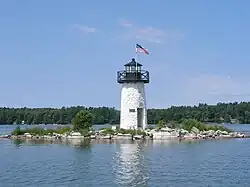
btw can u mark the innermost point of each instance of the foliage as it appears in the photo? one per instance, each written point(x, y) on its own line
point(173, 125)
point(131, 131)
point(62, 130)
point(84, 132)
point(40, 131)
point(17, 131)
point(82, 120)
point(101, 115)
point(187, 124)
point(161, 124)
point(122, 131)
point(108, 131)
point(220, 113)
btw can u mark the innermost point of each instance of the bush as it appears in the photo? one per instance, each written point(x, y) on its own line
point(108, 131)
point(173, 125)
point(63, 130)
point(39, 131)
point(187, 124)
point(17, 131)
point(161, 124)
point(84, 132)
point(122, 131)
point(82, 120)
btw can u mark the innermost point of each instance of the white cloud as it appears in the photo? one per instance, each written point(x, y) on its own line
point(126, 24)
point(86, 29)
point(148, 33)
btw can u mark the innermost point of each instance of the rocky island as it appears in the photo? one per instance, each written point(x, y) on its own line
point(187, 129)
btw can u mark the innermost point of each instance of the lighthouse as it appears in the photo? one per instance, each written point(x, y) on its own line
point(133, 114)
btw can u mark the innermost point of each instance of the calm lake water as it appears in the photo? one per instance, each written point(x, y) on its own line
point(203, 163)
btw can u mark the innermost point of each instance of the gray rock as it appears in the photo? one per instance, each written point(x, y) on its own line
point(166, 129)
point(75, 134)
point(138, 137)
point(123, 136)
point(93, 136)
point(27, 135)
point(163, 135)
point(195, 130)
point(106, 137)
point(175, 133)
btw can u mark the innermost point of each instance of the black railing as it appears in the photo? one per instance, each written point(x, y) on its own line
point(136, 76)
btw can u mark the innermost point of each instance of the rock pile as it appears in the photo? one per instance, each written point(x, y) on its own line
point(167, 133)
point(157, 134)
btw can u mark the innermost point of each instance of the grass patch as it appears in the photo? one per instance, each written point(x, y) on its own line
point(122, 131)
point(187, 124)
point(41, 132)
point(106, 131)
point(133, 132)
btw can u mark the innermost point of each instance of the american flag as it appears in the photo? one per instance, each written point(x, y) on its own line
point(140, 49)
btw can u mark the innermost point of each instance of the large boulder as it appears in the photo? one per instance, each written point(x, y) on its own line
point(166, 129)
point(162, 135)
point(219, 132)
point(175, 133)
point(195, 130)
point(27, 135)
point(190, 136)
point(75, 134)
point(138, 137)
point(93, 136)
point(183, 131)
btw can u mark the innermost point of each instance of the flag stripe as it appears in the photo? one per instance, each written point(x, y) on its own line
point(139, 48)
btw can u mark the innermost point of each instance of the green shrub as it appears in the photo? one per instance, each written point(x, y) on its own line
point(39, 131)
point(63, 130)
point(82, 120)
point(161, 124)
point(173, 125)
point(17, 131)
point(131, 131)
point(108, 131)
point(84, 132)
point(187, 124)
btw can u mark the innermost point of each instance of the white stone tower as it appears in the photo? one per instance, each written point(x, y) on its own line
point(133, 101)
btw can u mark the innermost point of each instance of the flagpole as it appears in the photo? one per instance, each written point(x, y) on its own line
point(136, 60)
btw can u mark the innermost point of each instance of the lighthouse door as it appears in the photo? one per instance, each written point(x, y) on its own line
point(139, 117)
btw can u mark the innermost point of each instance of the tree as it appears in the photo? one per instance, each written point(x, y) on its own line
point(161, 124)
point(17, 131)
point(222, 113)
point(82, 120)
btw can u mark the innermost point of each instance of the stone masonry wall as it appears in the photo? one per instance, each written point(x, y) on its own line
point(132, 97)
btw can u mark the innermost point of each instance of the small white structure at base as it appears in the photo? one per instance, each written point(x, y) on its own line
point(113, 127)
point(133, 113)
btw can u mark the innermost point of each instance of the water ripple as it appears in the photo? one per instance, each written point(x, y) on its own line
point(200, 163)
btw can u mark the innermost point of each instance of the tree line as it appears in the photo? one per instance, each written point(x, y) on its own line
point(64, 115)
point(219, 113)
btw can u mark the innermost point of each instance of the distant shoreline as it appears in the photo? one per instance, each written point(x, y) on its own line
point(228, 113)
point(150, 125)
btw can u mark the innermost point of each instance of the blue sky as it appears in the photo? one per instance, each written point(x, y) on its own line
point(62, 53)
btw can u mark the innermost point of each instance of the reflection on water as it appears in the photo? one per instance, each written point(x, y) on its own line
point(78, 143)
point(112, 163)
point(18, 142)
point(129, 167)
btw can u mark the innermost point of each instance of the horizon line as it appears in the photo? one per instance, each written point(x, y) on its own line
point(84, 106)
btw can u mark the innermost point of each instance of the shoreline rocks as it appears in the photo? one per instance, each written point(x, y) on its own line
point(154, 134)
